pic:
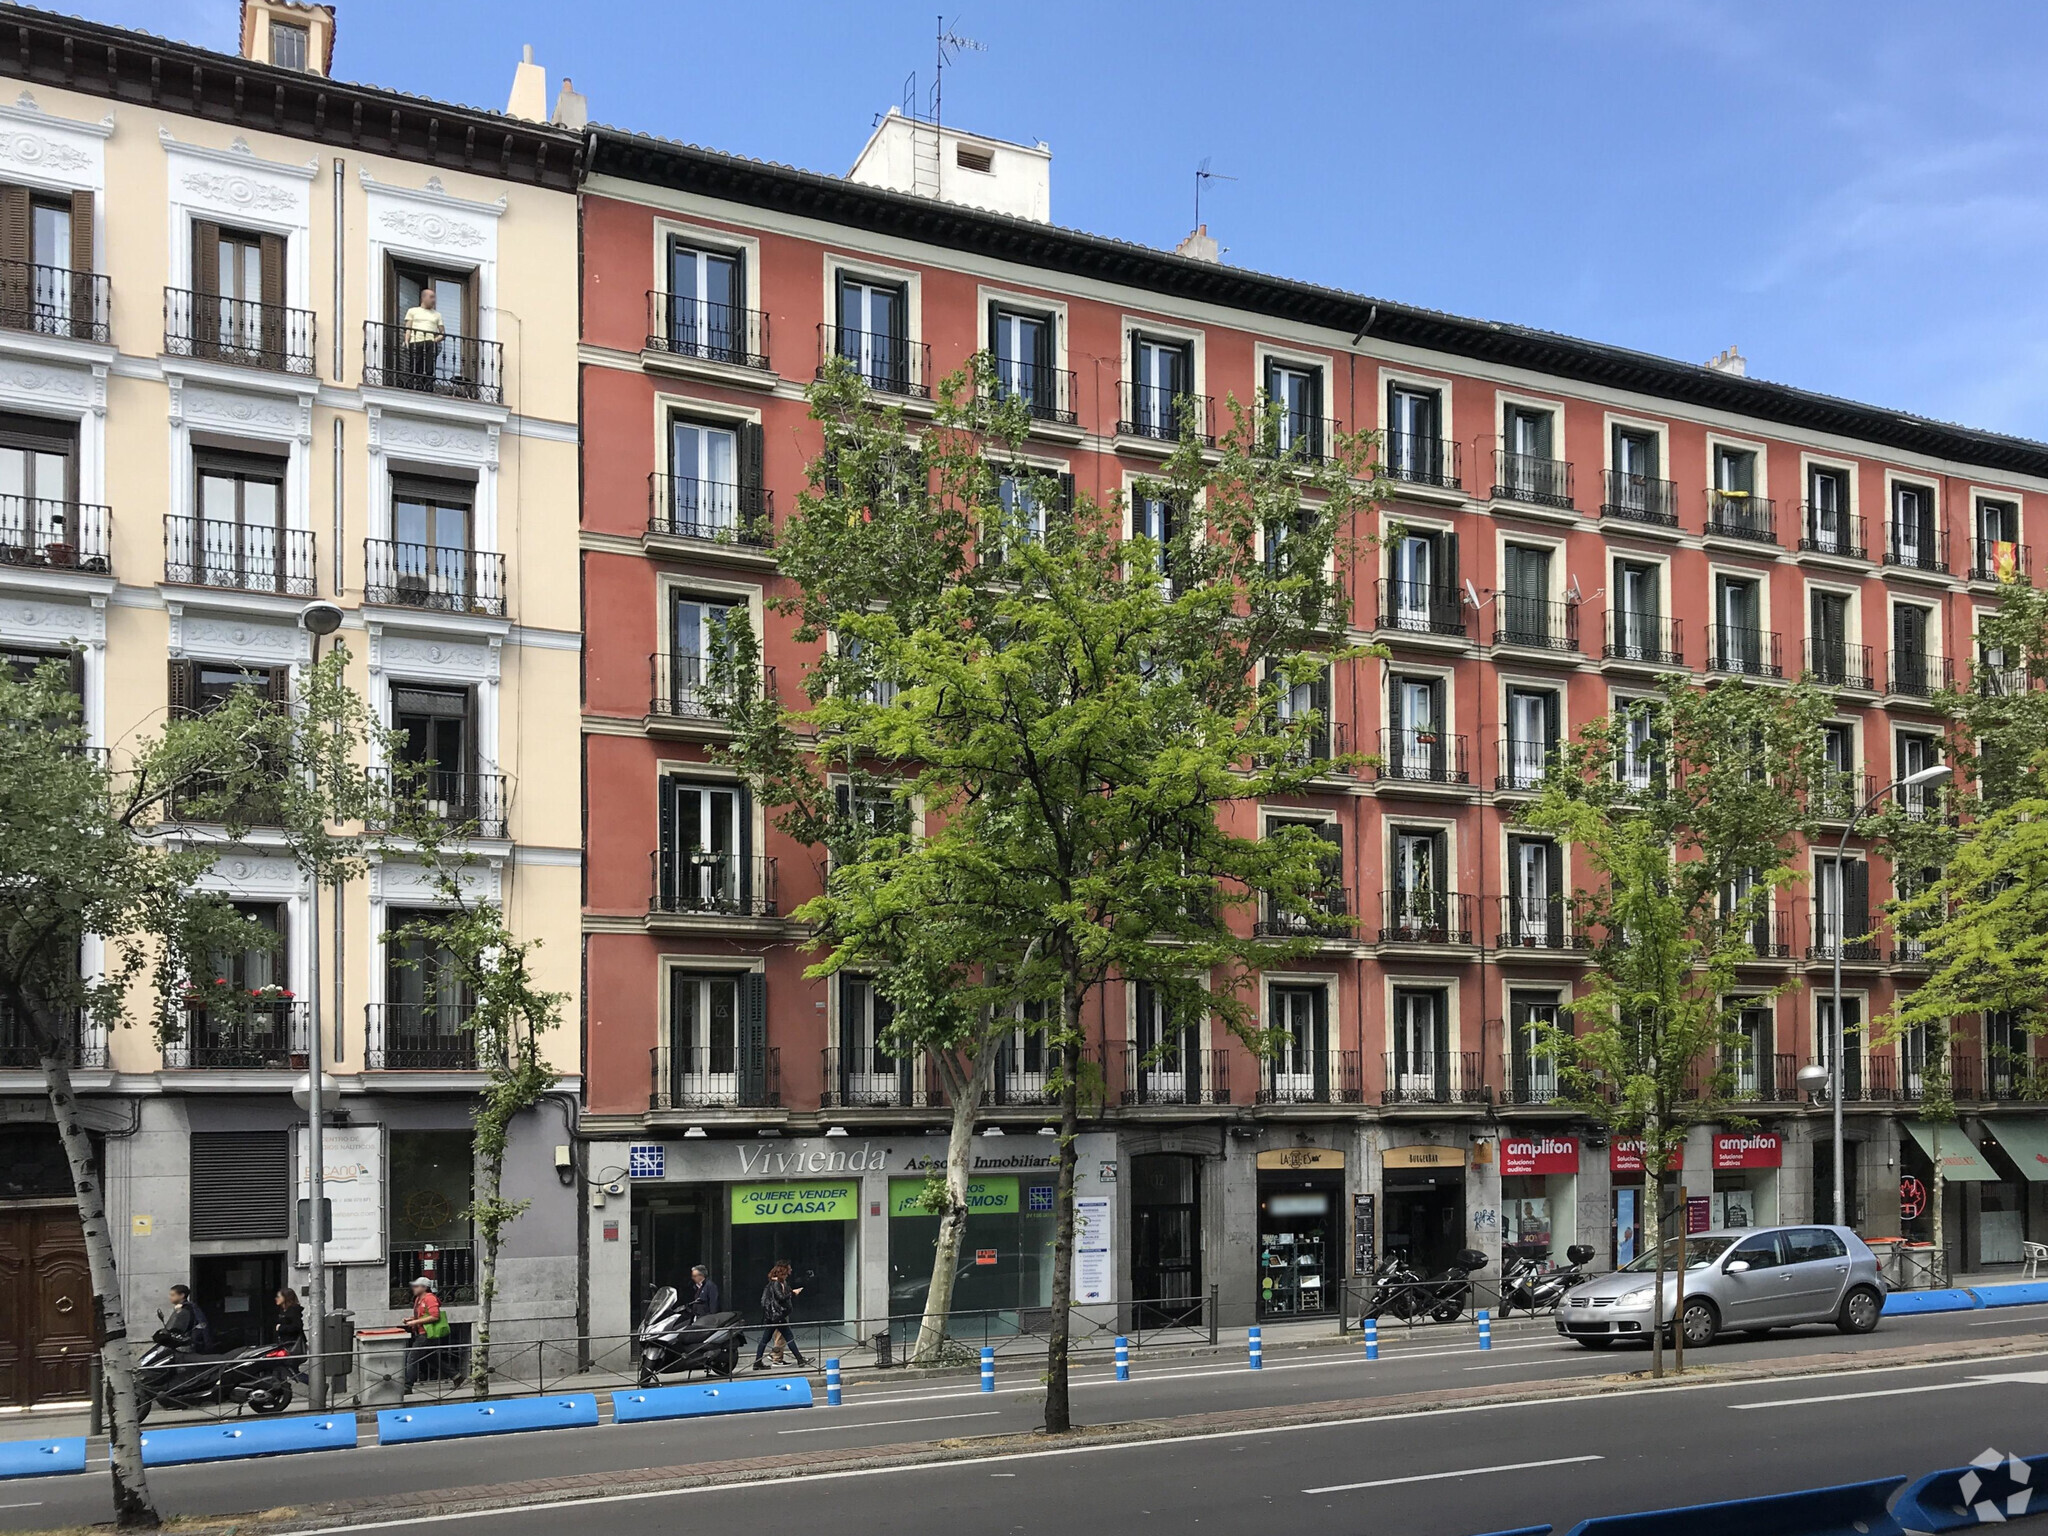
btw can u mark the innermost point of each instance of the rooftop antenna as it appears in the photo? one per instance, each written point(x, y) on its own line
point(949, 43)
point(1202, 174)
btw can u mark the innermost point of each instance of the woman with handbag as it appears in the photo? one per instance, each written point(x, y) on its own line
point(429, 1329)
point(776, 1300)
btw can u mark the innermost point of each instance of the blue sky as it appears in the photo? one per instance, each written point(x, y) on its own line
point(1852, 192)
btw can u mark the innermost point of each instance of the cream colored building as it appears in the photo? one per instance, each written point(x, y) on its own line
point(214, 411)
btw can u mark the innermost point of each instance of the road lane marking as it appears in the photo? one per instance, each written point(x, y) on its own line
point(935, 1418)
point(1437, 1477)
point(31, 1504)
point(2035, 1378)
point(2026, 1315)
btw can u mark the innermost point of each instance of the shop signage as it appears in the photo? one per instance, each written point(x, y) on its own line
point(1421, 1157)
point(1759, 1149)
point(1364, 1259)
point(648, 1161)
point(755, 1205)
point(354, 1187)
point(1094, 1278)
point(985, 1197)
point(1698, 1214)
point(1625, 1155)
point(1293, 1159)
point(1912, 1198)
point(984, 1162)
point(769, 1162)
point(1525, 1156)
point(984, 1256)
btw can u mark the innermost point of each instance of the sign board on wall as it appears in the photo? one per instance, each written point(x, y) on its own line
point(1423, 1157)
point(1364, 1241)
point(1758, 1149)
point(1530, 1156)
point(354, 1186)
point(1094, 1265)
point(1293, 1159)
point(1698, 1214)
point(1625, 1155)
point(985, 1197)
point(756, 1205)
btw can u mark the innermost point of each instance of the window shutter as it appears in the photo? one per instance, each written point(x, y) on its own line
point(1448, 544)
point(995, 331)
point(849, 1039)
point(1321, 1015)
point(271, 249)
point(1554, 884)
point(241, 1186)
point(182, 690)
point(76, 659)
point(277, 685)
point(81, 231)
point(1066, 491)
point(1855, 901)
point(665, 860)
point(752, 440)
point(753, 1038)
point(1553, 725)
point(205, 258)
point(15, 240)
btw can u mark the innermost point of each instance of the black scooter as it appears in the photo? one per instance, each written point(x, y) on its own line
point(1445, 1297)
point(1534, 1287)
point(671, 1339)
point(1397, 1291)
point(257, 1378)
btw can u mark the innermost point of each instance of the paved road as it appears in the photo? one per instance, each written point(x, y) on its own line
point(884, 1411)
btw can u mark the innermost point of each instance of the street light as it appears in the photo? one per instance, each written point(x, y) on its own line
point(317, 619)
point(1940, 773)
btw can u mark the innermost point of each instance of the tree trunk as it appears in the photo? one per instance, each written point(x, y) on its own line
point(1938, 1194)
point(1058, 1405)
point(133, 1508)
point(1653, 1221)
point(966, 1091)
point(489, 1173)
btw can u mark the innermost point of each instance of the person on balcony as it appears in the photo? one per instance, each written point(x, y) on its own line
point(421, 334)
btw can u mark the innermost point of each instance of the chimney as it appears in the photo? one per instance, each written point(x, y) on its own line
point(1731, 361)
point(571, 110)
point(529, 98)
point(906, 154)
point(1200, 246)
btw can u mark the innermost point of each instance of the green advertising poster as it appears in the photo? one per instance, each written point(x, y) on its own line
point(994, 1196)
point(756, 1204)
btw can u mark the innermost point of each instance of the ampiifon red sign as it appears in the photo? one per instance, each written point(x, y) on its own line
point(1527, 1155)
point(1625, 1155)
point(1757, 1149)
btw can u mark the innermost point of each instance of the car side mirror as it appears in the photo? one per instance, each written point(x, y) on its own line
point(1737, 1267)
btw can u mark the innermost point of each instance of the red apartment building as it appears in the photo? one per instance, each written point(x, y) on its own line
point(1615, 516)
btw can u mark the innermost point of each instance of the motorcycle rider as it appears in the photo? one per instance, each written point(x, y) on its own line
point(186, 1328)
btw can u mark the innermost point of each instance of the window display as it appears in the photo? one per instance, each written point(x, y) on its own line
point(1296, 1252)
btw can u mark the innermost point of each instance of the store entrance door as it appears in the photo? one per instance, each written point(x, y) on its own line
point(238, 1294)
point(1301, 1257)
point(672, 1230)
point(1425, 1216)
point(46, 1343)
point(1166, 1239)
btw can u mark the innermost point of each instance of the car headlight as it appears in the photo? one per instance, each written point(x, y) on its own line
point(1640, 1297)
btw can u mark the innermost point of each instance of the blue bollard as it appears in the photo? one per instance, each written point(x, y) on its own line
point(1123, 1358)
point(832, 1383)
point(1485, 1329)
point(1258, 1351)
point(988, 1369)
point(1372, 1338)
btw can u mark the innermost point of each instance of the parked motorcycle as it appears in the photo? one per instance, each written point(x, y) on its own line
point(1533, 1286)
point(257, 1378)
point(1397, 1291)
point(672, 1339)
point(1447, 1295)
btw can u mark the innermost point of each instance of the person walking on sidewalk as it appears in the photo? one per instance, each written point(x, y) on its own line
point(776, 1300)
point(428, 1328)
point(291, 1329)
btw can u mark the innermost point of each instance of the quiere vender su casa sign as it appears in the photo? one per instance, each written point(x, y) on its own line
point(754, 1204)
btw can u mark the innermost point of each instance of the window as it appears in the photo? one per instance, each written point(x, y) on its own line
point(869, 809)
point(1422, 1062)
point(714, 481)
point(1831, 661)
point(238, 291)
point(1533, 728)
point(239, 538)
point(1740, 643)
point(1526, 613)
point(707, 314)
point(1162, 373)
point(1299, 1069)
point(430, 562)
point(1298, 392)
point(1997, 554)
point(1328, 899)
point(1916, 754)
point(1734, 508)
point(1754, 1064)
point(2008, 1049)
point(450, 363)
point(40, 521)
point(869, 686)
point(1167, 1052)
point(1841, 908)
point(1423, 595)
point(1532, 1069)
point(873, 331)
point(1827, 512)
point(1421, 903)
point(1416, 747)
point(1021, 495)
point(1020, 1075)
point(1639, 612)
point(706, 837)
point(696, 643)
point(1024, 347)
point(21, 664)
point(704, 1038)
point(1299, 701)
point(437, 756)
point(287, 45)
point(1913, 668)
point(868, 1072)
point(1840, 791)
point(1913, 540)
point(1528, 469)
point(1158, 519)
point(1636, 458)
point(52, 290)
point(1734, 472)
point(1642, 760)
point(426, 1002)
point(1415, 447)
point(1536, 908)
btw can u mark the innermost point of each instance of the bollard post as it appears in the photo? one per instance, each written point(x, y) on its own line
point(988, 1368)
point(1258, 1350)
point(1372, 1338)
point(1123, 1358)
point(832, 1395)
point(1485, 1329)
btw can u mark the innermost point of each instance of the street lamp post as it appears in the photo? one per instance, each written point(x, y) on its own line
point(318, 619)
point(1837, 1035)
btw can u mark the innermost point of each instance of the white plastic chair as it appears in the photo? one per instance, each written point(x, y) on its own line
point(2035, 1255)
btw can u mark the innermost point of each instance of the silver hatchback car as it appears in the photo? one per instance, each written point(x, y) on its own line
point(1748, 1280)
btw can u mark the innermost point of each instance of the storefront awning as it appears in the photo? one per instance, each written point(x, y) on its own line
point(1959, 1158)
point(2026, 1143)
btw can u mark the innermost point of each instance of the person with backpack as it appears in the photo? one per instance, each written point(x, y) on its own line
point(429, 1330)
point(186, 1328)
point(776, 1300)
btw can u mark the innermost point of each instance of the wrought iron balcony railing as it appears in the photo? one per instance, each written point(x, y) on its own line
point(712, 511)
point(1917, 675)
point(217, 328)
point(705, 882)
point(21, 1049)
point(1416, 608)
point(54, 301)
point(1433, 1077)
point(460, 801)
point(56, 535)
point(682, 326)
point(420, 1037)
point(1527, 1078)
point(1425, 917)
point(727, 1076)
point(1167, 416)
point(1999, 560)
point(1838, 664)
point(1739, 515)
point(1421, 757)
point(1047, 393)
point(1175, 1077)
point(1640, 499)
point(1650, 638)
point(454, 367)
point(866, 1078)
point(1826, 531)
point(1546, 924)
point(888, 364)
point(1535, 623)
point(1536, 481)
point(246, 557)
point(433, 577)
point(1524, 763)
point(687, 688)
point(222, 1030)
point(1415, 459)
point(1308, 1077)
point(1910, 547)
point(1760, 1079)
point(1745, 652)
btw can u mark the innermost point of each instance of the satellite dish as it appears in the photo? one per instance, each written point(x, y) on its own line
point(1471, 592)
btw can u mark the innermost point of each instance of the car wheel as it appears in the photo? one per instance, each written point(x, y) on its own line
point(1861, 1309)
point(1700, 1322)
point(1597, 1343)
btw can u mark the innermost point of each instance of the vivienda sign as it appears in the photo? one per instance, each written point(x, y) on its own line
point(1525, 1155)
point(1759, 1149)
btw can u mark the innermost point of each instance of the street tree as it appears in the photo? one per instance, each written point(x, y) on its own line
point(1075, 697)
point(112, 847)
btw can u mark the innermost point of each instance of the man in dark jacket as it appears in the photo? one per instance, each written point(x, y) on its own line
point(188, 1323)
point(704, 1293)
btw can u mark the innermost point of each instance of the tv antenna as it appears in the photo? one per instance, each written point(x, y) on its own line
point(1204, 174)
point(949, 43)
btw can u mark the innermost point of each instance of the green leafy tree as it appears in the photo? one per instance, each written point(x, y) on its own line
point(90, 848)
point(1683, 808)
point(1075, 712)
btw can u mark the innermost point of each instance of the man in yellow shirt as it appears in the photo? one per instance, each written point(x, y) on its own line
point(422, 331)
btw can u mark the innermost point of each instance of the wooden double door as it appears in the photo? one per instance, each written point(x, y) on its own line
point(46, 1321)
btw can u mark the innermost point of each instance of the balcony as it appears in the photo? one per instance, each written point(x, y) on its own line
point(2010, 1076)
point(1765, 1080)
point(1536, 624)
point(214, 328)
point(1047, 393)
point(454, 368)
point(1164, 416)
point(419, 1037)
point(1739, 515)
point(683, 327)
point(1865, 1080)
point(434, 578)
point(886, 363)
point(1647, 639)
point(1917, 675)
point(714, 1077)
point(1532, 481)
point(1743, 652)
point(1851, 932)
point(1413, 459)
point(1421, 757)
point(1152, 1077)
point(1837, 794)
point(54, 301)
point(702, 882)
point(685, 689)
point(1523, 765)
point(221, 1030)
point(43, 535)
point(1999, 560)
point(1528, 1078)
point(1433, 1077)
point(1838, 664)
point(864, 1078)
point(1030, 1079)
point(1912, 548)
point(1640, 499)
point(469, 803)
point(241, 557)
point(1770, 935)
point(710, 511)
point(1909, 952)
point(1296, 435)
point(1413, 608)
point(1965, 1077)
point(1547, 926)
point(1329, 920)
point(1825, 531)
point(21, 1051)
point(1425, 917)
point(1328, 1078)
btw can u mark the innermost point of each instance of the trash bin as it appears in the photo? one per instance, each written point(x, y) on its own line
point(380, 1365)
point(337, 1352)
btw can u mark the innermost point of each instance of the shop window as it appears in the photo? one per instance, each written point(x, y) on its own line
point(1005, 1257)
point(430, 1191)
